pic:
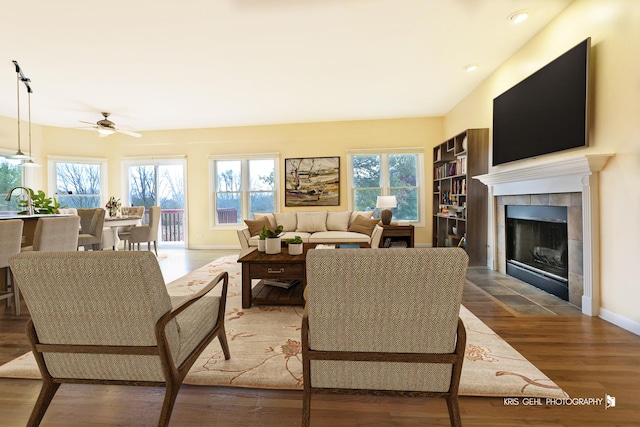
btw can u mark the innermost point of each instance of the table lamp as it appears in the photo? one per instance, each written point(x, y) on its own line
point(386, 203)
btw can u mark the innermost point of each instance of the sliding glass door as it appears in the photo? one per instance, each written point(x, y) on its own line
point(160, 183)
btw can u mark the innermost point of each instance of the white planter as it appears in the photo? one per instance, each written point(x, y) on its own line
point(295, 248)
point(261, 245)
point(274, 245)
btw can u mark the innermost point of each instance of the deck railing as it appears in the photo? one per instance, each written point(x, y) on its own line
point(171, 224)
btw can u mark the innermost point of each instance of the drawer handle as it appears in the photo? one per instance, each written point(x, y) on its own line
point(272, 271)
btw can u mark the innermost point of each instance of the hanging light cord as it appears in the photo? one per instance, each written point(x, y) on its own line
point(18, 86)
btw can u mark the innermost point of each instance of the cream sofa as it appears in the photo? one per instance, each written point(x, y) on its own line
point(316, 227)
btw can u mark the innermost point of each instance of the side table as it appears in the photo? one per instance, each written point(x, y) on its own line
point(397, 236)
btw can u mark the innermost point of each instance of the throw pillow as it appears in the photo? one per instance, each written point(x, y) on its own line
point(287, 220)
point(255, 227)
point(355, 214)
point(312, 222)
point(338, 221)
point(363, 225)
point(272, 219)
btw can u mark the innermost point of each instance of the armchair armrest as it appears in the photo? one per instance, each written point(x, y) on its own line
point(160, 329)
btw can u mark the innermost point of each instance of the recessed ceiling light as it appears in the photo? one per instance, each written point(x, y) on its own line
point(519, 16)
point(470, 68)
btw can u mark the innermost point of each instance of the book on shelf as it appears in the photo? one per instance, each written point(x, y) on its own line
point(324, 246)
point(285, 284)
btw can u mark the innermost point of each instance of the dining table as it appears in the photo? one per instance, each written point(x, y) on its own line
point(113, 223)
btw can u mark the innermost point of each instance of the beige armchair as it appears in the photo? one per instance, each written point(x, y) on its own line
point(147, 233)
point(133, 333)
point(10, 241)
point(384, 322)
point(91, 224)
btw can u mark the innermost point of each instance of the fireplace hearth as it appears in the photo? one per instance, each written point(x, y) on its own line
point(537, 249)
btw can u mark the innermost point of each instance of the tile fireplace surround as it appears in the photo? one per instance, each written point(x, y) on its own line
point(571, 182)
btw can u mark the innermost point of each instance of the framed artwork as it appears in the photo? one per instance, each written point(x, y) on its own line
point(312, 181)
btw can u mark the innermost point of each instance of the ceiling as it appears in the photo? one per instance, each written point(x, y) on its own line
point(175, 64)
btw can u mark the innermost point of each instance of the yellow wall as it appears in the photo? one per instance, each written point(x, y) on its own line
point(196, 145)
point(613, 26)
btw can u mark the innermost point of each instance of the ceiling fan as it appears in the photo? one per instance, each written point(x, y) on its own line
point(106, 127)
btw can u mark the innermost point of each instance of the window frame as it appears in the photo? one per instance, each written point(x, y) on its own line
point(24, 172)
point(385, 184)
point(52, 162)
point(245, 191)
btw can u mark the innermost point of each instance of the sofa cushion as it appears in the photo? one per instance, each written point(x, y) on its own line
point(312, 222)
point(355, 214)
point(255, 227)
point(272, 219)
point(253, 241)
point(363, 225)
point(338, 221)
point(288, 220)
point(339, 237)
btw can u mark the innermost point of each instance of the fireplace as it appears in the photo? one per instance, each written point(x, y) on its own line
point(537, 250)
point(561, 181)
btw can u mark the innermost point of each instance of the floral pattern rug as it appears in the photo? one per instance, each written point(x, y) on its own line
point(264, 342)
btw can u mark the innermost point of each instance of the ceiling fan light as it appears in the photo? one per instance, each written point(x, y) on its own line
point(106, 131)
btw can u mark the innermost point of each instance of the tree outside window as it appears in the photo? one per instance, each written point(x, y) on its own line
point(242, 188)
point(381, 174)
point(78, 184)
point(10, 176)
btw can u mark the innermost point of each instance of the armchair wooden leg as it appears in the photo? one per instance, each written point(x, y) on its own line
point(169, 401)
point(306, 408)
point(47, 392)
point(222, 336)
point(155, 247)
point(454, 411)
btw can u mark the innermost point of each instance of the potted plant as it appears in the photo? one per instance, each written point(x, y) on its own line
point(295, 245)
point(261, 241)
point(41, 204)
point(274, 243)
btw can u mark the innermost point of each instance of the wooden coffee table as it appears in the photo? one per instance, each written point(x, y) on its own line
point(282, 266)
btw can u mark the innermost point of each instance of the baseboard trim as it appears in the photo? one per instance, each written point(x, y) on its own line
point(223, 247)
point(618, 320)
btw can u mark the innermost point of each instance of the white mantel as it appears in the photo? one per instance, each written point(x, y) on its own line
point(575, 174)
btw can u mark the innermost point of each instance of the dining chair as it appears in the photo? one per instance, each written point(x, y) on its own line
point(55, 234)
point(10, 242)
point(91, 224)
point(118, 326)
point(384, 322)
point(124, 233)
point(147, 233)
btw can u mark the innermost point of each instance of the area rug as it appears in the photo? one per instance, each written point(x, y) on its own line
point(266, 353)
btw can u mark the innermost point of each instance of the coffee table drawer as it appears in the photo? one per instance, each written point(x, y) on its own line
point(275, 270)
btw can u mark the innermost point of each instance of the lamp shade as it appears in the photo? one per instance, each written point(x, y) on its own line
point(386, 202)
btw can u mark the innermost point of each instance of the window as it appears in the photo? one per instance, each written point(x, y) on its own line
point(77, 183)
point(10, 176)
point(378, 173)
point(243, 186)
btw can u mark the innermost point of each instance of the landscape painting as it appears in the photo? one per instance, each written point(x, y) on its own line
point(312, 181)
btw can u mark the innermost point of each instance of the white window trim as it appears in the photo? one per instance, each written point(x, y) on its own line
point(245, 208)
point(419, 151)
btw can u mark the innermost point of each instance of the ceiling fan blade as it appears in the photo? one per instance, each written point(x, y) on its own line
point(89, 123)
point(130, 133)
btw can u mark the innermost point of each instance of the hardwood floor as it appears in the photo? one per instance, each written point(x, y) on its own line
point(586, 356)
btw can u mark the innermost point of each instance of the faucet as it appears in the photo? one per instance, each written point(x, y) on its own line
point(26, 190)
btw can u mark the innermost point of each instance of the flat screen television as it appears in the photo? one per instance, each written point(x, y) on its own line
point(546, 112)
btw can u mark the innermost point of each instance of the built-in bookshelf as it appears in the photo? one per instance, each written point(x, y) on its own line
point(459, 201)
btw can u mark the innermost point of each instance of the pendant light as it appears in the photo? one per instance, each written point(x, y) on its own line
point(30, 163)
point(19, 154)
